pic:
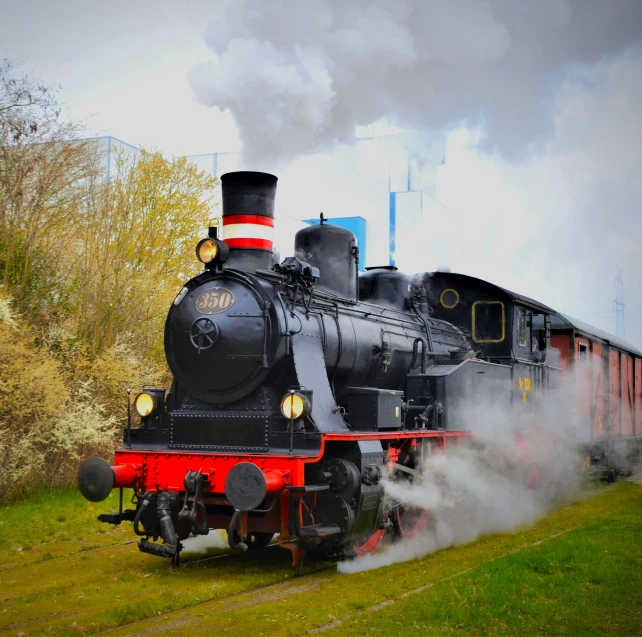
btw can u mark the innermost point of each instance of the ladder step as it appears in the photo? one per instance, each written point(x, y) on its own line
point(319, 530)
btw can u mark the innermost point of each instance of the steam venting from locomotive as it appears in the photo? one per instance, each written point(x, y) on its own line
point(482, 488)
point(324, 67)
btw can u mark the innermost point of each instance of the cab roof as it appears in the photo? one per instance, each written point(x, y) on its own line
point(513, 296)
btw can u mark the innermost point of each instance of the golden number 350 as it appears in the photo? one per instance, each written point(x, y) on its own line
point(218, 299)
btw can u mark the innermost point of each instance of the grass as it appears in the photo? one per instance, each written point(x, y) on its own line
point(585, 582)
point(48, 525)
point(576, 572)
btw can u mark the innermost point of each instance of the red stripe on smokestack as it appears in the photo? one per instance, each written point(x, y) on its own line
point(253, 232)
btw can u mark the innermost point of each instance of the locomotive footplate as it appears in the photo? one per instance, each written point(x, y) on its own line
point(319, 530)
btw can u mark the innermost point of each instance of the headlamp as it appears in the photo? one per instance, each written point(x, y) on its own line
point(207, 250)
point(144, 404)
point(150, 401)
point(211, 250)
point(294, 405)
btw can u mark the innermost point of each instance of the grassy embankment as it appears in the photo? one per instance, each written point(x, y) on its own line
point(576, 572)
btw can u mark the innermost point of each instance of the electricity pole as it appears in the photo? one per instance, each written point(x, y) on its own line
point(618, 305)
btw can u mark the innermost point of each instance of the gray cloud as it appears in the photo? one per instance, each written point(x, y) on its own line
point(299, 76)
point(555, 226)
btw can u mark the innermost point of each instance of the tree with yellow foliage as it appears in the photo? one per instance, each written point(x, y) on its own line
point(91, 263)
point(135, 248)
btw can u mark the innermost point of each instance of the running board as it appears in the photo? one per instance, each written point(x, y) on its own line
point(319, 530)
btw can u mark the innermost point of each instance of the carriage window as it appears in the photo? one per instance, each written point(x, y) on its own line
point(522, 339)
point(489, 325)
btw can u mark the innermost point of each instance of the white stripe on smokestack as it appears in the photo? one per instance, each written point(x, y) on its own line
point(247, 231)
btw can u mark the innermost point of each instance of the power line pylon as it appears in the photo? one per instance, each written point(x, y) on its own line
point(618, 305)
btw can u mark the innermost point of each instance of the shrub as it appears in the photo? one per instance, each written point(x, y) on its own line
point(45, 430)
point(81, 430)
point(119, 368)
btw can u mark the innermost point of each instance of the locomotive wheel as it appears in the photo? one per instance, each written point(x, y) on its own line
point(410, 521)
point(371, 544)
point(255, 540)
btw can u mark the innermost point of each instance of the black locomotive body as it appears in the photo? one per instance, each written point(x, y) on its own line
point(298, 385)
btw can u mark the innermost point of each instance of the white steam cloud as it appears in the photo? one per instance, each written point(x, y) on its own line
point(200, 544)
point(494, 482)
point(298, 77)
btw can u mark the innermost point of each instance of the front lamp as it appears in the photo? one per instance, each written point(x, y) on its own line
point(210, 251)
point(295, 405)
point(144, 404)
point(206, 250)
point(150, 401)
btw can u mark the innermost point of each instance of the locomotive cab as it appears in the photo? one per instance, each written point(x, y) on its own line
point(503, 326)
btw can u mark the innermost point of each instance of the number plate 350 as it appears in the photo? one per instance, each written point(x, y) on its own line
point(215, 301)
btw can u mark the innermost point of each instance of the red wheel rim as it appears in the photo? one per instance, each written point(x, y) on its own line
point(411, 521)
point(371, 544)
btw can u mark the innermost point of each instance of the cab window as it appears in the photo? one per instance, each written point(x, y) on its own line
point(538, 337)
point(489, 322)
point(522, 335)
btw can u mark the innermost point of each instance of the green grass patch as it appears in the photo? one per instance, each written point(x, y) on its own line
point(586, 582)
point(474, 589)
point(576, 572)
point(53, 524)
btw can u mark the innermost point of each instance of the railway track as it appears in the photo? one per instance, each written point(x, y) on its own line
point(215, 616)
point(85, 551)
point(420, 589)
point(65, 556)
point(225, 590)
point(175, 622)
point(119, 591)
point(105, 586)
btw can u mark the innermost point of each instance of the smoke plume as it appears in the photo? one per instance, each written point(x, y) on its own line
point(298, 77)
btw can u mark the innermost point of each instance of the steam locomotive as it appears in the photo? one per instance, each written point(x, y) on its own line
point(298, 385)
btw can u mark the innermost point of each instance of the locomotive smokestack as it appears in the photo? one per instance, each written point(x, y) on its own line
point(248, 218)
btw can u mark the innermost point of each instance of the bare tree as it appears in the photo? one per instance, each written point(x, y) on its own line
point(41, 178)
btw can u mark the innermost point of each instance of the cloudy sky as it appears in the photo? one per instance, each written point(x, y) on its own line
point(540, 103)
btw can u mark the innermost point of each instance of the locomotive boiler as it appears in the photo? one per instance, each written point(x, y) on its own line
point(298, 384)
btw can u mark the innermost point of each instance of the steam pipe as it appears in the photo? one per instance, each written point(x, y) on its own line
point(168, 532)
point(139, 512)
point(424, 354)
